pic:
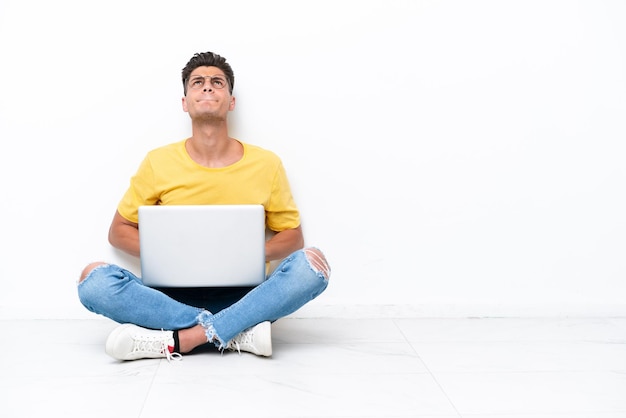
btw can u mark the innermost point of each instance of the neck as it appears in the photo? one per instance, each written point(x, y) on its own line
point(209, 132)
point(210, 145)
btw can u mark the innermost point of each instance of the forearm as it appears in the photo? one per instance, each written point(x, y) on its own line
point(284, 243)
point(124, 235)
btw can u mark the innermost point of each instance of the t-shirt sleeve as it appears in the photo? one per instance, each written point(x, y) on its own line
point(139, 193)
point(282, 212)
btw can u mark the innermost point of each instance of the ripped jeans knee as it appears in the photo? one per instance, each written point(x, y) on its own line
point(317, 261)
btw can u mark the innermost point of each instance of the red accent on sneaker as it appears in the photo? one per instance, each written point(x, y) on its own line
point(170, 348)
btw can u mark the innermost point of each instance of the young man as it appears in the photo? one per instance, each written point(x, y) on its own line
point(208, 168)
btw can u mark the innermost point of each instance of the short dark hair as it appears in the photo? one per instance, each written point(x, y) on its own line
point(208, 59)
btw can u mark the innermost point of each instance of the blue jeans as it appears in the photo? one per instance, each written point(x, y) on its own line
point(118, 294)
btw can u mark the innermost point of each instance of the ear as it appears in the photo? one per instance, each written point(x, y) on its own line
point(184, 103)
point(231, 106)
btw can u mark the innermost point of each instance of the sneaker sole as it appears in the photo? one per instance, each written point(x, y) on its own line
point(265, 349)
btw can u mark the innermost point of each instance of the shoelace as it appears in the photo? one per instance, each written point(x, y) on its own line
point(245, 337)
point(172, 356)
point(154, 345)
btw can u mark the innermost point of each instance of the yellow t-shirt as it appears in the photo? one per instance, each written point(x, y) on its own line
point(168, 176)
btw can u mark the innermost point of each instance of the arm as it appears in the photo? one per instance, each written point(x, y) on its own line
point(124, 235)
point(284, 243)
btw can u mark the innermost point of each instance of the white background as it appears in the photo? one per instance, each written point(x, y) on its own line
point(453, 158)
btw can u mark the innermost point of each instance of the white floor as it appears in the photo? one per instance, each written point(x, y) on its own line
point(479, 368)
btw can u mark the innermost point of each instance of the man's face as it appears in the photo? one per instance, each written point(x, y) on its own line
point(208, 95)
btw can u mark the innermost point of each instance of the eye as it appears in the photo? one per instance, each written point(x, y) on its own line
point(218, 82)
point(196, 82)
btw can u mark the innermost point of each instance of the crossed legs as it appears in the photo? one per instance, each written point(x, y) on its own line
point(118, 294)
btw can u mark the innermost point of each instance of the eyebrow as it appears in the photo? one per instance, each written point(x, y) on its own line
point(204, 76)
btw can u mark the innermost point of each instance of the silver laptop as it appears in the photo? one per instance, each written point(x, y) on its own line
point(202, 245)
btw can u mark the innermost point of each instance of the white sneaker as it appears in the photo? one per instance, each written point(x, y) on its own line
point(256, 340)
point(131, 342)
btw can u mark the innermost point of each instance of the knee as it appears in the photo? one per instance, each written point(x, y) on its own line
point(89, 269)
point(317, 260)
